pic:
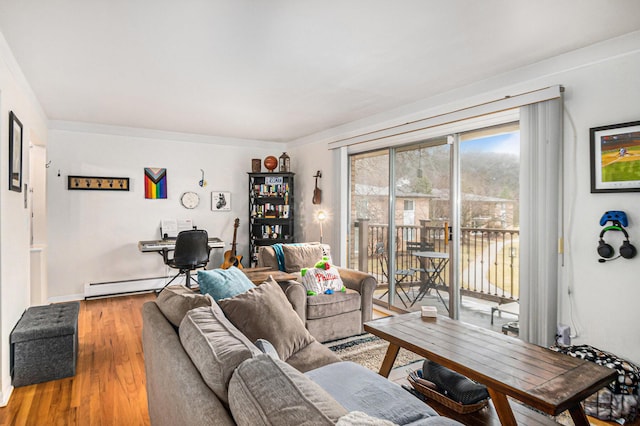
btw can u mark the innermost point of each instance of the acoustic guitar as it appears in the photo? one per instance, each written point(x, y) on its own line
point(230, 257)
point(317, 192)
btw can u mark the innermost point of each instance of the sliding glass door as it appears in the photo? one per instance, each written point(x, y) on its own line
point(422, 174)
point(369, 212)
point(437, 223)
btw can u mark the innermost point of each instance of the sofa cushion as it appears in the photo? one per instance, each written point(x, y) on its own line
point(327, 305)
point(358, 418)
point(216, 347)
point(264, 312)
point(267, 257)
point(297, 257)
point(336, 327)
point(313, 356)
point(369, 392)
point(266, 391)
point(223, 283)
point(176, 300)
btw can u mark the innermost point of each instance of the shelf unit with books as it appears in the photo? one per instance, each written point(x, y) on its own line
point(271, 215)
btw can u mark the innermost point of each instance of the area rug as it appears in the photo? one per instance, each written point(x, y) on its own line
point(368, 351)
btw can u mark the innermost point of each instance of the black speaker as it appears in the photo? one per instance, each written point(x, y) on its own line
point(627, 250)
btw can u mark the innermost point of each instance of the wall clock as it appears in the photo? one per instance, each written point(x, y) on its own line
point(190, 200)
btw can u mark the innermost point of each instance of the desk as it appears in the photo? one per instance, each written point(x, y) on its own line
point(170, 244)
point(432, 264)
point(548, 381)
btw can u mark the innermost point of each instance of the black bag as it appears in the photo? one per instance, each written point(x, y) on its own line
point(455, 386)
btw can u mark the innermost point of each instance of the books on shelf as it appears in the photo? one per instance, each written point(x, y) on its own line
point(279, 190)
point(271, 211)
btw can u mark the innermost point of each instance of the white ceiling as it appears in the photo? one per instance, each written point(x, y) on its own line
point(279, 70)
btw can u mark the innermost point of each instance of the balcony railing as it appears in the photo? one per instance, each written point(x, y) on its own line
point(489, 262)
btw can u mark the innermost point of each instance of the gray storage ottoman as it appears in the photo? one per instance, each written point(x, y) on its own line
point(44, 344)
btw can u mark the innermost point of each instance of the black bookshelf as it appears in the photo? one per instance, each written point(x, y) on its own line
point(271, 213)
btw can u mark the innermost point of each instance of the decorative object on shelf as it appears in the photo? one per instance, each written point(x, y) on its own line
point(317, 192)
point(256, 165)
point(155, 183)
point(98, 183)
point(271, 163)
point(615, 156)
point(271, 218)
point(285, 163)
point(15, 153)
point(202, 182)
point(321, 216)
point(190, 200)
point(220, 201)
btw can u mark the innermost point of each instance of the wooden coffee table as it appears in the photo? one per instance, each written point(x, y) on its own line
point(261, 274)
point(540, 378)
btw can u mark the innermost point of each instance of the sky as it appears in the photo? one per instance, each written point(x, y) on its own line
point(508, 143)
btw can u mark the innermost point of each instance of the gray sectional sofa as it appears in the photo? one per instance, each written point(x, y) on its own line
point(203, 370)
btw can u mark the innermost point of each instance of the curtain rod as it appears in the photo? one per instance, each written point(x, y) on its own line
point(489, 107)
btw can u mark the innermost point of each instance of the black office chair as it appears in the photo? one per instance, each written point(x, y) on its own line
point(191, 252)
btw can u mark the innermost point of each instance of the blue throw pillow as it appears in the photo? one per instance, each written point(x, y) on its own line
point(223, 283)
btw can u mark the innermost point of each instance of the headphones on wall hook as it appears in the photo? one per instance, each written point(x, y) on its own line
point(606, 252)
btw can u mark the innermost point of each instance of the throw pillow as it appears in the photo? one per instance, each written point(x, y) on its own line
point(223, 283)
point(297, 257)
point(323, 278)
point(266, 391)
point(264, 312)
point(215, 346)
point(176, 300)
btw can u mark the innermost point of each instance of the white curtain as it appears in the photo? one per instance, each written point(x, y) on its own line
point(540, 184)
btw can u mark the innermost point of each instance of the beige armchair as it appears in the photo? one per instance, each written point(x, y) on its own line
point(326, 316)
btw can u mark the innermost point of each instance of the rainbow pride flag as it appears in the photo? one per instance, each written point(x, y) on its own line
point(155, 182)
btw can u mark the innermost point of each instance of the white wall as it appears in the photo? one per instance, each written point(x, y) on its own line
point(602, 87)
point(93, 235)
point(305, 162)
point(15, 95)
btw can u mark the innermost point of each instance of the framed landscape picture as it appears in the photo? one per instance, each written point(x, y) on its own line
point(15, 153)
point(615, 158)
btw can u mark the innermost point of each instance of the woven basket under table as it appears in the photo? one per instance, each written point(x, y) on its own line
point(444, 400)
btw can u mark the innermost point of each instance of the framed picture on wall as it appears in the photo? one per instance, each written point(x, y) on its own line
point(221, 201)
point(15, 153)
point(615, 158)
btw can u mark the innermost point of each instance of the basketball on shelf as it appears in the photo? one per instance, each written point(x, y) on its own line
point(271, 163)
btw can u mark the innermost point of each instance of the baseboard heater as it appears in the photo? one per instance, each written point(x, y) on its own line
point(114, 288)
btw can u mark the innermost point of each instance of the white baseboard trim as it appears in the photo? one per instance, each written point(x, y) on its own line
point(128, 286)
point(65, 298)
point(5, 395)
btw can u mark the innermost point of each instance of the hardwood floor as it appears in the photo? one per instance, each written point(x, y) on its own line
point(109, 385)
